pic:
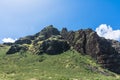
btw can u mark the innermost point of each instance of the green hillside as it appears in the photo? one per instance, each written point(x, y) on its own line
point(69, 65)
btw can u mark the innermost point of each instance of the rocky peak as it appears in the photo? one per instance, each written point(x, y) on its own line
point(85, 41)
point(64, 32)
point(48, 31)
point(47, 41)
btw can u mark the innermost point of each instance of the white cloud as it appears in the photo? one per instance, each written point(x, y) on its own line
point(7, 40)
point(106, 31)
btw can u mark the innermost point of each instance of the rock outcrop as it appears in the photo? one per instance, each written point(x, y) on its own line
point(23, 41)
point(83, 40)
point(8, 44)
point(48, 32)
point(115, 45)
point(53, 47)
point(87, 42)
point(47, 41)
point(17, 48)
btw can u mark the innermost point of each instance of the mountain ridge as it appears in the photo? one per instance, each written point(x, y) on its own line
point(87, 42)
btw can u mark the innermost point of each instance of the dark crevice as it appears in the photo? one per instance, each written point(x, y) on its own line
point(84, 43)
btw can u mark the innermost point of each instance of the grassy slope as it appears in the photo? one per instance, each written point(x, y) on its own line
point(67, 66)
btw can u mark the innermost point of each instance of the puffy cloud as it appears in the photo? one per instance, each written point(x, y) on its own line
point(7, 40)
point(106, 31)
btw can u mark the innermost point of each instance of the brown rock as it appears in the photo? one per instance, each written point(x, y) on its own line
point(106, 52)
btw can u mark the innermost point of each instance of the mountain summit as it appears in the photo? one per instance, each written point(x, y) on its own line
point(52, 41)
point(48, 40)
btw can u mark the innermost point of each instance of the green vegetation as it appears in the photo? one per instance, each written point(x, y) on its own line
point(69, 65)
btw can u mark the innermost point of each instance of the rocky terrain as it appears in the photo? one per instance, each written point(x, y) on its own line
point(52, 41)
point(47, 41)
point(87, 42)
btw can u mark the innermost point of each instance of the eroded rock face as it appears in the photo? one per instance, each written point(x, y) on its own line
point(54, 47)
point(111, 57)
point(8, 44)
point(23, 41)
point(86, 42)
point(106, 52)
point(116, 45)
point(16, 48)
point(48, 32)
point(47, 41)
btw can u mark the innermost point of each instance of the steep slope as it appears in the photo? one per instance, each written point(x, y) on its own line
point(47, 41)
point(86, 42)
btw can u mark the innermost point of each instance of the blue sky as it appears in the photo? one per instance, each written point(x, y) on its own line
point(19, 18)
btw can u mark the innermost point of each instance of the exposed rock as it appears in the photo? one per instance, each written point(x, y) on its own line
point(64, 32)
point(83, 40)
point(48, 32)
point(23, 41)
point(47, 41)
point(8, 44)
point(16, 48)
point(106, 52)
point(116, 45)
point(53, 47)
point(30, 37)
point(39, 38)
point(86, 42)
point(44, 34)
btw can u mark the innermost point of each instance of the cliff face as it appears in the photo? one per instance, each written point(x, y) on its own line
point(47, 41)
point(86, 42)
